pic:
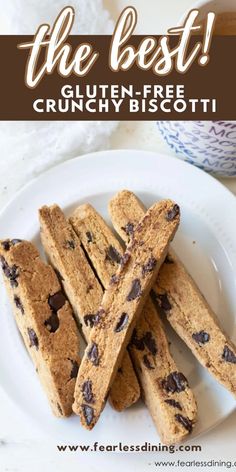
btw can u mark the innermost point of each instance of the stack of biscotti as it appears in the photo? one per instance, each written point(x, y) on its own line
point(65, 251)
point(44, 318)
point(181, 301)
point(165, 389)
point(121, 307)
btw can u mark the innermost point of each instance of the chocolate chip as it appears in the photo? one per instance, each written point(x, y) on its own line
point(150, 343)
point(147, 362)
point(89, 237)
point(120, 370)
point(93, 354)
point(52, 323)
point(186, 422)
point(174, 404)
point(228, 355)
point(18, 304)
point(122, 323)
point(57, 301)
point(137, 342)
point(87, 391)
point(59, 409)
point(168, 260)
point(88, 413)
point(14, 242)
point(33, 338)
point(129, 229)
point(135, 291)
point(175, 382)
point(149, 266)
point(6, 245)
point(69, 245)
point(114, 279)
point(12, 273)
point(171, 214)
point(74, 370)
point(113, 255)
point(163, 302)
point(201, 338)
point(92, 320)
point(59, 276)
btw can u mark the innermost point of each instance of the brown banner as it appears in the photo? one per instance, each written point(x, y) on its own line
point(209, 92)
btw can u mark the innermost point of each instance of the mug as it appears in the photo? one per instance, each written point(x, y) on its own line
point(210, 145)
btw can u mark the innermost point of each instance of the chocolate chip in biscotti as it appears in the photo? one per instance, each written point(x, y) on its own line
point(186, 422)
point(34, 342)
point(6, 245)
point(87, 391)
point(114, 279)
point(129, 229)
point(138, 343)
point(57, 301)
point(113, 255)
point(93, 354)
point(175, 382)
point(173, 213)
point(12, 273)
point(91, 319)
point(173, 403)
point(147, 362)
point(135, 291)
point(149, 266)
point(201, 338)
point(18, 304)
point(150, 343)
point(228, 355)
point(88, 413)
point(74, 370)
point(122, 323)
point(163, 302)
point(70, 244)
point(52, 323)
point(89, 236)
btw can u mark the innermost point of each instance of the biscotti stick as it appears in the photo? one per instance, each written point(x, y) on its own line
point(44, 318)
point(63, 248)
point(121, 305)
point(182, 302)
point(164, 389)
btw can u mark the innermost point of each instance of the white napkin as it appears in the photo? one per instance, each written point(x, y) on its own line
point(29, 148)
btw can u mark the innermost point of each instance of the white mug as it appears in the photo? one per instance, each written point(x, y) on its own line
point(210, 145)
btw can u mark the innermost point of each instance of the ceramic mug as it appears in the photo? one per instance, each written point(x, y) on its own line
point(210, 145)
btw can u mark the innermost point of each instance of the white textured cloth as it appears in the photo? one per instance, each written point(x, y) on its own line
point(29, 148)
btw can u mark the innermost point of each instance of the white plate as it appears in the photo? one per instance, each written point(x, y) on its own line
point(205, 242)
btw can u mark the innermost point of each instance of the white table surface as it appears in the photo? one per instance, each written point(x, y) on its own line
point(21, 449)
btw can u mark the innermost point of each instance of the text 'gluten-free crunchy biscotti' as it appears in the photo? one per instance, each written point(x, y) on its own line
point(45, 320)
point(121, 306)
point(63, 248)
point(181, 301)
point(165, 389)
